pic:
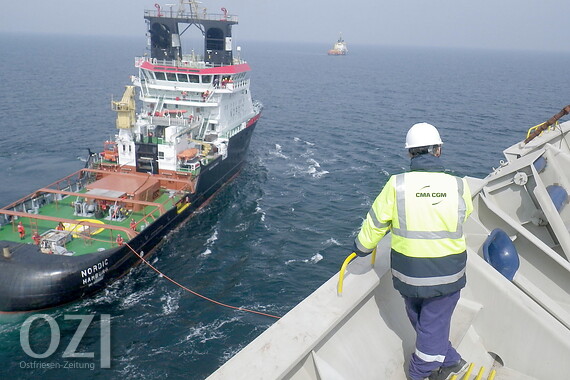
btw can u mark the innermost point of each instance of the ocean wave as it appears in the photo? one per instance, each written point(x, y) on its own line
point(316, 173)
point(203, 333)
point(170, 302)
point(130, 368)
point(314, 163)
point(11, 322)
point(230, 352)
point(312, 169)
point(316, 258)
point(330, 242)
point(107, 296)
point(313, 260)
point(297, 139)
point(241, 227)
point(132, 371)
point(359, 168)
point(259, 210)
point(212, 238)
point(278, 152)
point(136, 297)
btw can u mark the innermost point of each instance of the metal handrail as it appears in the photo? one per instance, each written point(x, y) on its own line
point(191, 15)
point(197, 63)
point(343, 269)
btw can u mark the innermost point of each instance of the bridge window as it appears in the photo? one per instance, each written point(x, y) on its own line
point(214, 39)
point(160, 36)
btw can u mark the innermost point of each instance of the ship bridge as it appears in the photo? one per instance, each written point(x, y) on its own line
point(166, 26)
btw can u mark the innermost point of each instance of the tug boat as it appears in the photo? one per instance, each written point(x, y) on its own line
point(512, 320)
point(71, 239)
point(339, 47)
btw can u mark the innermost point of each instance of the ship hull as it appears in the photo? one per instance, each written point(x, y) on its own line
point(337, 52)
point(31, 280)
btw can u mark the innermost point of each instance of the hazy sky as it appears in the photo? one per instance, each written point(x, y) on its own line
point(495, 24)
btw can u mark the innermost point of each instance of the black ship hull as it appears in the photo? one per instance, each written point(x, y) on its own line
point(31, 280)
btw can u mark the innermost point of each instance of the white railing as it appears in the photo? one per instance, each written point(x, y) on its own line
point(169, 121)
point(199, 15)
point(191, 61)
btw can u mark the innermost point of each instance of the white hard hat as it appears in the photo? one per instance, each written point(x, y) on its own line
point(422, 134)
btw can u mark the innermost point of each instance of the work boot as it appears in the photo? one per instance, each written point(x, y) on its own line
point(445, 373)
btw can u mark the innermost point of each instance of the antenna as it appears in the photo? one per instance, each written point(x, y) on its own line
point(193, 7)
point(170, 6)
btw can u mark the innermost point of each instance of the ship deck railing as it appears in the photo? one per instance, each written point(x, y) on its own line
point(187, 101)
point(75, 180)
point(44, 209)
point(166, 121)
point(188, 61)
point(90, 232)
point(197, 15)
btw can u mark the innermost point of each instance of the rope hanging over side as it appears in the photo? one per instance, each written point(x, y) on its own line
point(193, 292)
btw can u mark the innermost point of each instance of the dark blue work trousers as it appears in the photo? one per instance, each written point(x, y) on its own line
point(431, 318)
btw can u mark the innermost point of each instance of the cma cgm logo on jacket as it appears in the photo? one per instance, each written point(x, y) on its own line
point(436, 196)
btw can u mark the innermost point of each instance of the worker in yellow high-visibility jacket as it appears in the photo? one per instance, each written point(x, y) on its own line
point(424, 209)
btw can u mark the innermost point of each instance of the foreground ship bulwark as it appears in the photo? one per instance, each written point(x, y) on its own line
point(513, 318)
point(190, 137)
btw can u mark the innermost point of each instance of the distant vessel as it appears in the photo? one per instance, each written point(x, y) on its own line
point(339, 48)
point(191, 135)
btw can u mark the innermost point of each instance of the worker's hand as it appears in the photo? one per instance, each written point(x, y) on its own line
point(358, 252)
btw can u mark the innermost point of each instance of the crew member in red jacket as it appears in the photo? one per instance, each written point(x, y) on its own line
point(21, 231)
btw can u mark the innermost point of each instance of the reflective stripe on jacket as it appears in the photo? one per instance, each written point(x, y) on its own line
point(425, 212)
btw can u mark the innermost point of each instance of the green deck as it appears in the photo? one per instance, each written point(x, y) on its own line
point(80, 245)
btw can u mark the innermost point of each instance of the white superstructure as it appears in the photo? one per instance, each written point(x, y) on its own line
point(192, 104)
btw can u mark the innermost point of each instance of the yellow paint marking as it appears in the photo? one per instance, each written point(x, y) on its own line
point(79, 229)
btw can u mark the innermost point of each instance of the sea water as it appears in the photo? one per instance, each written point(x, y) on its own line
point(331, 134)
